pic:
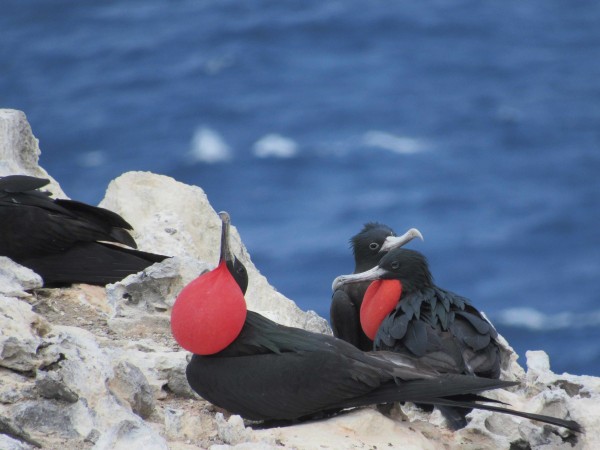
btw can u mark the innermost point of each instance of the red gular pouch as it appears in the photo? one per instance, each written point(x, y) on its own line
point(379, 300)
point(209, 312)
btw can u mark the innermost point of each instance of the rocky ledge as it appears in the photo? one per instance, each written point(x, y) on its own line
point(96, 368)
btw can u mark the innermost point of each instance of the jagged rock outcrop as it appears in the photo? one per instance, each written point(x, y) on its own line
point(19, 149)
point(87, 367)
point(175, 219)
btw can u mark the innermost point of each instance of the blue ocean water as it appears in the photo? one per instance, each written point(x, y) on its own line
point(476, 122)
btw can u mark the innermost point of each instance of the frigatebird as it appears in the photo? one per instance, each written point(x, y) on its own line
point(254, 367)
point(404, 311)
point(373, 242)
point(65, 241)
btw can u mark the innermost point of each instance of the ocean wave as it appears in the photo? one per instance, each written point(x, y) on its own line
point(276, 146)
point(91, 159)
point(533, 319)
point(208, 146)
point(391, 142)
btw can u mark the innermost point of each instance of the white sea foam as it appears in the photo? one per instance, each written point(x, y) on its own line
point(276, 146)
point(216, 65)
point(391, 142)
point(208, 146)
point(92, 159)
point(537, 320)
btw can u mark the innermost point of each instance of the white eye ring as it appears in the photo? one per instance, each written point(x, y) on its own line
point(374, 246)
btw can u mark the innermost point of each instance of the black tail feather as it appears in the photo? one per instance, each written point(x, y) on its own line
point(448, 386)
point(570, 424)
point(91, 263)
point(453, 391)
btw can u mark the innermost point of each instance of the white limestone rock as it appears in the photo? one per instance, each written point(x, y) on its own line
point(131, 386)
point(510, 369)
point(182, 426)
point(175, 219)
point(363, 428)
point(246, 446)
point(8, 443)
point(48, 417)
point(21, 332)
point(15, 279)
point(15, 387)
point(141, 303)
point(19, 149)
point(161, 366)
point(128, 435)
point(155, 288)
point(232, 430)
point(75, 396)
point(51, 385)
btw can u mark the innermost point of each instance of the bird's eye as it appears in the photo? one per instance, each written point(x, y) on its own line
point(373, 245)
point(395, 265)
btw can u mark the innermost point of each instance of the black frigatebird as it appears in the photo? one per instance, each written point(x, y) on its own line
point(368, 246)
point(65, 241)
point(261, 370)
point(404, 311)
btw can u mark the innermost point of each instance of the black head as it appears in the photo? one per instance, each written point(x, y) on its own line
point(239, 273)
point(236, 268)
point(366, 245)
point(408, 266)
point(371, 247)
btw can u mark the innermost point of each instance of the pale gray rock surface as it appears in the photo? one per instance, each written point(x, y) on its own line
point(131, 386)
point(129, 435)
point(175, 219)
point(16, 279)
point(19, 149)
point(92, 368)
point(8, 443)
point(21, 335)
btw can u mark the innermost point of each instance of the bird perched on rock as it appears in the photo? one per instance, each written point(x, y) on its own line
point(373, 242)
point(254, 367)
point(65, 241)
point(405, 312)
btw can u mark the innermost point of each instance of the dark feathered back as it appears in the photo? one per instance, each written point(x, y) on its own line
point(65, 241)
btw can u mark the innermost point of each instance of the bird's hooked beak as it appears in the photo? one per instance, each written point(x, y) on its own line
point(392, 242)
point(376, 273)
point(370, 275)
point(225, 250)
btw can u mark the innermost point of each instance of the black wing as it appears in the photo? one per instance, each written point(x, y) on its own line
point(345, 315)
point(272, 372)
point(445, 330)
point(58, 238)
point(33, 223)
point(21, 183)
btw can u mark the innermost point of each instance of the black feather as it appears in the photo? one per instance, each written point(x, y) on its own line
point(65, 241)
point(21, 183)
point(416, 338)
point(481, 325)
point(397, 328)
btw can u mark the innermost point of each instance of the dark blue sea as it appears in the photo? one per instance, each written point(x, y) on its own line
point(476, 122)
